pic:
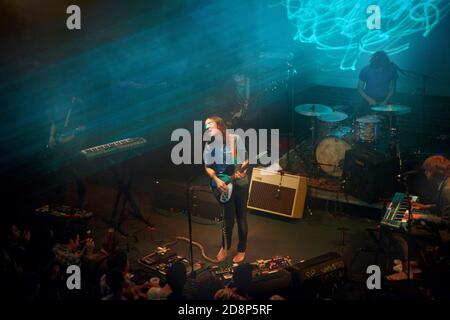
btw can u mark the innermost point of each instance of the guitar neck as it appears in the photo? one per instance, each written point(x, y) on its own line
point(245, 166)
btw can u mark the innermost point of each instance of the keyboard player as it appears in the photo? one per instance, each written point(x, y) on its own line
point(431, 228)
point(68, 126)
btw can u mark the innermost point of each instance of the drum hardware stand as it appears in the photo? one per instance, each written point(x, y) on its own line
point(313, 131)
point(343, 230)
point(313, 165)
point(291, 135)
point(394, 139)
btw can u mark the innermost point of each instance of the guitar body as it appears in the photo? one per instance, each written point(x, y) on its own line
point(222, 197)
point(225, 197)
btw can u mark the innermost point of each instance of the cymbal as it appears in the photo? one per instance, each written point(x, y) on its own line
point(394, 108)
point(333, 117)
point(313, 110)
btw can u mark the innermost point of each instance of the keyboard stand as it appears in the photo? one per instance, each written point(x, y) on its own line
point(124, 183)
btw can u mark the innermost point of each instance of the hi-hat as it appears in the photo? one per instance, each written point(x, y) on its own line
point(333, 117)
point(393, 108)
point(313, 110)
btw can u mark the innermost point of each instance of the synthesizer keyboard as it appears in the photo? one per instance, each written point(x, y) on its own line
point(397, 212)
point(108, 149)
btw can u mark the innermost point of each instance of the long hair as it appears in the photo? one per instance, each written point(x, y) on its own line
point(380, 59)
point(220, 125)
point(438, 166)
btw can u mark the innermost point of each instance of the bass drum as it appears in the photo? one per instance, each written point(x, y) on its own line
point(330, 152)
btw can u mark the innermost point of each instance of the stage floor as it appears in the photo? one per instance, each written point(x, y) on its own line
point(318, 232)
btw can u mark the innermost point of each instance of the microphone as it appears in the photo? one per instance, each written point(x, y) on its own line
point(406, 174)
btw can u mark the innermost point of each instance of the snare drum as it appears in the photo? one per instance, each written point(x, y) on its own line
point(368, 128)
point(330, 151)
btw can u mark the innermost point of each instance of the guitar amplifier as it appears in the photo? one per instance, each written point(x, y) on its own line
point(277, 193)
point(169, 195)
point(204, 204)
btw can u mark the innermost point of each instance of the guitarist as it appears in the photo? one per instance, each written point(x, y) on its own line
point(66, 139)
point(233, 155)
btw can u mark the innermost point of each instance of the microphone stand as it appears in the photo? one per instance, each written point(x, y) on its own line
point(192, 275)
point(291, 135)
point(408, 234)
point(424, 79)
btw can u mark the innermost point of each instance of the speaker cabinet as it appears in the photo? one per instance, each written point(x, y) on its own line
point(204, 204)
point(280, 194)
point(369, 174)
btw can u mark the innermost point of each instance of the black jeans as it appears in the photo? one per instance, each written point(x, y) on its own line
point(237, 206)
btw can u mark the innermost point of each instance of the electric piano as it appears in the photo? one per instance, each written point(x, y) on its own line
point(113, 147)
point(397, 212)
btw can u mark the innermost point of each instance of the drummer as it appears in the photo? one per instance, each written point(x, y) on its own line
point(377, 83)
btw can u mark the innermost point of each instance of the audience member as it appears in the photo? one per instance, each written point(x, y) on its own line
point(176, 278)
point(116, 283)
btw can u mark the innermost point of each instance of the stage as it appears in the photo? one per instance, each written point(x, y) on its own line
point(135, 119)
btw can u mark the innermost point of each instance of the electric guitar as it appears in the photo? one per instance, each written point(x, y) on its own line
point(224, 197)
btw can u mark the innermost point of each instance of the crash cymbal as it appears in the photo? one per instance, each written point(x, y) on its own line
point(333, 117)
point(394, 108)
point(313, 110)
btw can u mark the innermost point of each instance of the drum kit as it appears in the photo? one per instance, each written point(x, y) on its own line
point(333, 132)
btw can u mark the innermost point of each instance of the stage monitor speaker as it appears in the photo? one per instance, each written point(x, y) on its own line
point(318, 266)
point(369, 174)
point(280, 194)
point(318, 278)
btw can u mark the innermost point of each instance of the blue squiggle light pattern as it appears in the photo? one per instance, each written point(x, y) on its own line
point(340, 26)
